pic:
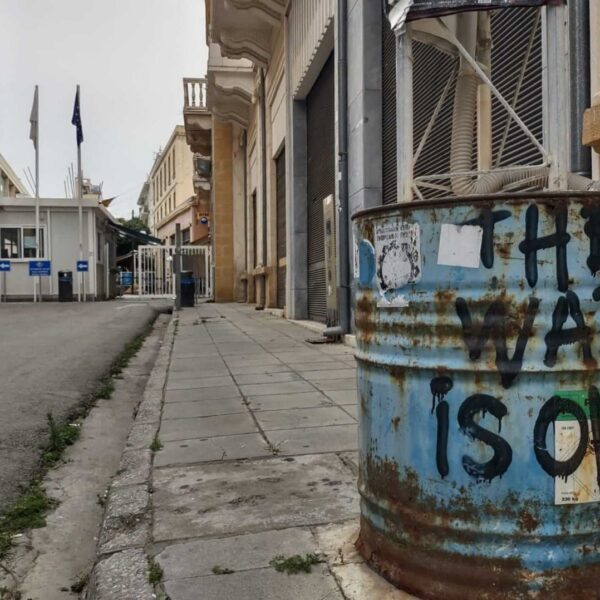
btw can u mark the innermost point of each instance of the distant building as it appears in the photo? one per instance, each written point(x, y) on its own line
point(144, 203)
point(10, 184)
point(173, 197)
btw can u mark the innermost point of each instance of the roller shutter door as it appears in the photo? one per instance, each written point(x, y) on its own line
point(281, 241)
point(321, 182)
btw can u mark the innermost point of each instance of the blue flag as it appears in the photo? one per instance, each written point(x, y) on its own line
point(76, 120)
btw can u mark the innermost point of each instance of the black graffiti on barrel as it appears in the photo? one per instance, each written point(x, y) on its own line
point(555, 407)
point(487, 221)
point(494, 328)
point(532, 243)
point(558, 336)
point(502, 458)
point(440, 387)
point(592, 230)
point(499, 463)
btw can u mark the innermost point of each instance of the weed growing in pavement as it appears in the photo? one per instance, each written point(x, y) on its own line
point(130, 350)
point(156, 444)
point(28, 512)
point(60, 436)
point(295, 564)
point(105, 389)
point(155, 572)
point(275, 449)
point(218, 570)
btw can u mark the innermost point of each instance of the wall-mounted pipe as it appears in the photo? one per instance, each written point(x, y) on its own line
point(342, 218)
point(579, 41)
point(262, 301)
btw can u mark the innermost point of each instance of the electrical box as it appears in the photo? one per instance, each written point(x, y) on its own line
point(330, 262)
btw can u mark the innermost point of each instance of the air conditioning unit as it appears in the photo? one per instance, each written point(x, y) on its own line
point(330, 254)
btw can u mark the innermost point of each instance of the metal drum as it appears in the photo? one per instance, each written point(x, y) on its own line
point(476, 326)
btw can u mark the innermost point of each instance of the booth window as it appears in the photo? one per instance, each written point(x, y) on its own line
point(19, 242)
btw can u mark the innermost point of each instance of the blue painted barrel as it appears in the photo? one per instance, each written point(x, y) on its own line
point(476, 323)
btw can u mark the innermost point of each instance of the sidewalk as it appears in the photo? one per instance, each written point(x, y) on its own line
point(258, 459)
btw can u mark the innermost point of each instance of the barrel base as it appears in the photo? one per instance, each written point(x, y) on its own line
point(433, 575)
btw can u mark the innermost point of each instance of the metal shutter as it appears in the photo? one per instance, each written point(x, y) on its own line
point(321, 182)
point(281, 241)
point(390, 177)
point(517, 73)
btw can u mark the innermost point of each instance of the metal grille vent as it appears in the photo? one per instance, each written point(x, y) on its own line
point(388, 58)
point(517, 73)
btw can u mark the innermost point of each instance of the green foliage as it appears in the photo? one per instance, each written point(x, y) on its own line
point(60, 436)
point(156, 444)
point(295, 564)
point(155, 572)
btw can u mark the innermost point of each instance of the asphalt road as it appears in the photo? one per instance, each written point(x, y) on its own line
point(51, 356)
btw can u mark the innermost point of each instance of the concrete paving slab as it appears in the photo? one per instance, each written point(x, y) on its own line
point(199, 373)
point(329, 374)
point(206, 382)
point(287, 401)
point(193, 352)
point(248, 497)
point(201, 427)
point(203, 408)
point(345, 397)
point(238, 347)
point(303, 417)
point(311, 440)
point(336, 385)
point(352, 410)
point(212, 393)
point(197, 558)
point(268, 389)
point(230, 447)
point(185, 364)
point(263, 584)
point(359, 582)
point(266, 378)
point(326, 365)
point(302, 357)
point(259, 369)
point(337, 542)
point(252, 360)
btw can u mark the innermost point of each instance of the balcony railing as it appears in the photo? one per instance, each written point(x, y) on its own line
point(194, 93)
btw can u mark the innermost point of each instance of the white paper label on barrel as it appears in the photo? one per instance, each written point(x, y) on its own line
point(460, 246)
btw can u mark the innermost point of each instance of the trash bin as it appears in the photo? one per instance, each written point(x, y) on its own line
point(65, 286)
point(478, 388)
point(188, 288)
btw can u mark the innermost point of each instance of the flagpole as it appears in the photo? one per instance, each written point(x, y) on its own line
point(37, 202)
point(81, 292)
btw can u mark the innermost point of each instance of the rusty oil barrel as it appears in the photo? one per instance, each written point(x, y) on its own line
point(476, 323)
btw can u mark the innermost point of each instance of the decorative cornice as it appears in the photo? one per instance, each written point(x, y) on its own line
point(245, 43)
point(270, 11)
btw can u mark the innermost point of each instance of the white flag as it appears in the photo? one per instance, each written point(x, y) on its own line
point(33, 120)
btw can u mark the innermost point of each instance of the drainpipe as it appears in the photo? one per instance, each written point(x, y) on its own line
point(245, 192)
point(262, 298)
point(579, 34)
point(343, 229)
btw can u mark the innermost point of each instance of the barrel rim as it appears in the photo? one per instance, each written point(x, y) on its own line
point(450, 201)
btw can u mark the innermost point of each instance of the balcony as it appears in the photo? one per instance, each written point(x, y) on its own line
point(196, 116)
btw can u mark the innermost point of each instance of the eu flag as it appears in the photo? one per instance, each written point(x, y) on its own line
point(76, 120)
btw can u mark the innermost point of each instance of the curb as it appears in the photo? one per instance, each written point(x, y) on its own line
point(120, 571)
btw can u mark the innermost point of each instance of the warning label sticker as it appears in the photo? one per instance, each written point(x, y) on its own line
point(581, 486)
point(398, 254)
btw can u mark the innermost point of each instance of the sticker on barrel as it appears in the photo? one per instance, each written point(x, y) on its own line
point(398, 254)
point(581, 486)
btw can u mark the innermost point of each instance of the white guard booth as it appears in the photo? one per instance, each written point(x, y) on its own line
point(59, 240)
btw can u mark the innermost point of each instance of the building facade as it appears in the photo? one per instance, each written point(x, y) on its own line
point(323, 108)
point(10, 184)
point(173, 198)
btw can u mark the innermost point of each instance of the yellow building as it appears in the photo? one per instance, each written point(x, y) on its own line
point(173, 198)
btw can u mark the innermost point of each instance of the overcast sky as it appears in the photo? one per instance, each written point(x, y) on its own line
point(129, 56)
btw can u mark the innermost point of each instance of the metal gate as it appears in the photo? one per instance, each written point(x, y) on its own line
point(155, 270)
point(321, 183)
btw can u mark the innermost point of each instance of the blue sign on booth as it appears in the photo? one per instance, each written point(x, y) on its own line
point(4, 266)
point(40, 268)
point(83, 266)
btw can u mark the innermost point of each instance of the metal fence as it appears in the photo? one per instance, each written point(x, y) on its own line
point(154, 275)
